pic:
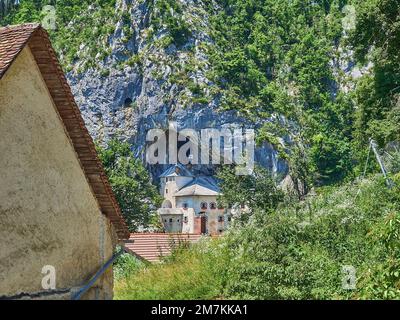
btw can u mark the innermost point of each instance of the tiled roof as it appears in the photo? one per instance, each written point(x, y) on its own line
point(176, 170)
point(12, 40)
point(201, 186)
point(153, 246)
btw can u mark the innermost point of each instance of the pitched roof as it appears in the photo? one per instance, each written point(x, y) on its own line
point(153, 246)
point(201, 186)
point(177, 170)
point(12, 40)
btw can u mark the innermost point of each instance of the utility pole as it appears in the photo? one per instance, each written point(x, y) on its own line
point(373, 145)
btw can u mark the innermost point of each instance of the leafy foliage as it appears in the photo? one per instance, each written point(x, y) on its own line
point(297, 251)
point(257, 191)
point(79, 23)
point(377, 40)
point(275, 57)
point(131, 184)
point(168, 13)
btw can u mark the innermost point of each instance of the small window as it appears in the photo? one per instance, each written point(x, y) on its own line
point(166, 190)
point(170, 220)
point(204, 206)
point(185, 206)
point(178, 220)
point(229, 219)
point(220, 230)
point(185, 219)
point(220, 219)
point(213, 206)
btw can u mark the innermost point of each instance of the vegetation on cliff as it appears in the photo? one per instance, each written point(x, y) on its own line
point(131, 184)
point(289, 66)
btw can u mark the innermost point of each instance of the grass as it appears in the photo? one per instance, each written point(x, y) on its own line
point(187, 274)
point(296, 252)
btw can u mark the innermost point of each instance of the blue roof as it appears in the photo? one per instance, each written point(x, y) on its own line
point(176, 170)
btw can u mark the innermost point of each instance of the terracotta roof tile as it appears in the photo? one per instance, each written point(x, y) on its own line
point(153, 246)
point(12, 40)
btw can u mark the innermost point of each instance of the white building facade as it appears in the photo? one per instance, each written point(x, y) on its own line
point(190, 203)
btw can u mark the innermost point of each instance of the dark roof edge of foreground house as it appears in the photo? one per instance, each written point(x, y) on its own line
point(13, 39)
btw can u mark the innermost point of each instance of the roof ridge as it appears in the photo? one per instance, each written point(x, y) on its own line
point(12, 41)
point(30, 25)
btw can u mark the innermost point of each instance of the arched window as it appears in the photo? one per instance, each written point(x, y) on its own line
point(203, 206)
point(170, 220)
point(213, 206)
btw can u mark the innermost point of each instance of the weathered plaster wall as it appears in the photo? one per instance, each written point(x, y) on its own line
point(48, 214)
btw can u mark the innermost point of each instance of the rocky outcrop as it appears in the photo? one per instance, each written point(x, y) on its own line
point(144, 82)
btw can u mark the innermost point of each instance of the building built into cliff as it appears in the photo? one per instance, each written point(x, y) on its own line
point(58, 214)
point(190, 203)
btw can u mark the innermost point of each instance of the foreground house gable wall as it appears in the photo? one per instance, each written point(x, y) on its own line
point(48, 213)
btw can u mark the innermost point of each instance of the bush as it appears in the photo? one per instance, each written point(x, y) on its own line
point(188, 274)
point(297, 251)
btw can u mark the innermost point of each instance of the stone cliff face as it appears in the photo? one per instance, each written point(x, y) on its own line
point(144, 82)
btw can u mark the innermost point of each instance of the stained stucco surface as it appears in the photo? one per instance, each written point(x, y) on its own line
point(48, 214)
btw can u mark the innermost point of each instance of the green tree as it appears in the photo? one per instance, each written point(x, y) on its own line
point(377, 40)
point(257, 191)
point(131, 184)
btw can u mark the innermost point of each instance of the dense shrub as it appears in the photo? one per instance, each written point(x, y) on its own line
point(296, 252)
